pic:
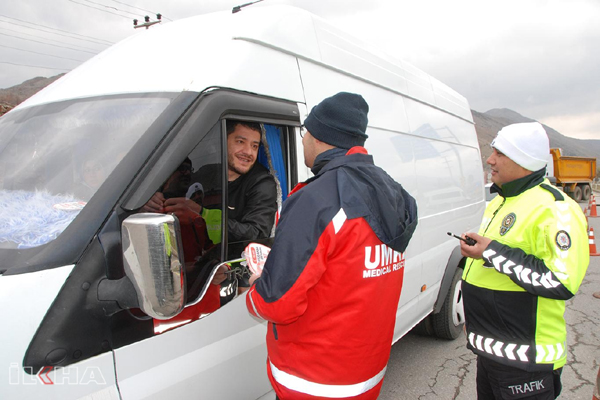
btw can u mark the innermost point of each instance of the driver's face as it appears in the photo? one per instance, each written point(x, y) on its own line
point(242, 150)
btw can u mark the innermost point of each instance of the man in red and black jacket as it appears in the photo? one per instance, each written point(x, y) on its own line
point(331, 284)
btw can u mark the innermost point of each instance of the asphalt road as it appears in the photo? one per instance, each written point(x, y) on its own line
point(426, 368)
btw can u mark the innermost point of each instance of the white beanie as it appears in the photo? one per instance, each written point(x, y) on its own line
point(526, 144)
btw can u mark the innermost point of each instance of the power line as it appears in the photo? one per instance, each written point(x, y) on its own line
point(141, 9)
point(114, 8)
point(34, 66)
point(99, 9)
point(159, 16)
point(52, 33)
point(44, 54)
point(49, 44)
point(37, 36)
point(56, 29)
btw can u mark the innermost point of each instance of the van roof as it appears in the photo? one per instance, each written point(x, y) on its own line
point(180, 56)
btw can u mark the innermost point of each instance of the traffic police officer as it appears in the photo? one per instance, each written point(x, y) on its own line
point(531, 255)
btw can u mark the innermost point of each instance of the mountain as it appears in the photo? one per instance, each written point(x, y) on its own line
point(12, 96)
point(487, 124)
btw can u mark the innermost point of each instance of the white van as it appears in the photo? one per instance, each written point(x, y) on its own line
point(82, 289)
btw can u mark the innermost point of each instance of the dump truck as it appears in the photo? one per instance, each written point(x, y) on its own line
point(573, 174)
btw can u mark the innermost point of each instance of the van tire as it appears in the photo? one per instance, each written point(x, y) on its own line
point(587, 192)
point(424, 328)
point(449, 322)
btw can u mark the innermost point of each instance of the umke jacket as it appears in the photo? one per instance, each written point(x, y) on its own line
point(331, 284)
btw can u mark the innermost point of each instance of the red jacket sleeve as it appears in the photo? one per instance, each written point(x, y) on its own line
point(293, 303)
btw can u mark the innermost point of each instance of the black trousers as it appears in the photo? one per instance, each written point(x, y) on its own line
point(500, 382)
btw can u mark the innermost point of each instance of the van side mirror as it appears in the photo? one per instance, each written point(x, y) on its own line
point(153, 261)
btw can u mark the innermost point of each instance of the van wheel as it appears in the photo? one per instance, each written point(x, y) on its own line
point(424, 328)
point(577, 194)
point(587, 192)
point(448, 323)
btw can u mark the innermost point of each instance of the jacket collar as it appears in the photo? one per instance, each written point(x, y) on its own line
point(325, 157)
point(333, 158)
point(518, 186)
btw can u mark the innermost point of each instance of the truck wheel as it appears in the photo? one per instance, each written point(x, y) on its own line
point(577, 194)
point(587, 192)
point(448, 323)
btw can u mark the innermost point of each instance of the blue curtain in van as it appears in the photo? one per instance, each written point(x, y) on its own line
point(273, 135)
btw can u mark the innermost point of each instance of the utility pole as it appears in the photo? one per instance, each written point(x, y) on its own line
point(147, 24)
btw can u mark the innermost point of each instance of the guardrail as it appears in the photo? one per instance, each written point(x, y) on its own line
point(596, 185)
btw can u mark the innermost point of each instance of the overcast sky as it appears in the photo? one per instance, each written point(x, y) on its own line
point(540, 58)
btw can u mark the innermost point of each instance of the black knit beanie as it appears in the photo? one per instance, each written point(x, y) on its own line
point(339, 120)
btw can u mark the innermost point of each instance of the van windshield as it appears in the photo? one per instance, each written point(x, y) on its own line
point(54, 157)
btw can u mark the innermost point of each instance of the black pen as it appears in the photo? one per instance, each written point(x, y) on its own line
point(466, 239)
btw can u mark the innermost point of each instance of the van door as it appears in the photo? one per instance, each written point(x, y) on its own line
point(449, 176)
point(211, 349)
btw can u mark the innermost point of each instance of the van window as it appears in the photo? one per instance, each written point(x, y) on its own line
point(260, 193)
point(218, 230)
point(53, 158)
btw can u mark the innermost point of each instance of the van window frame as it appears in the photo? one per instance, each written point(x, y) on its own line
point(224, 104)
point(77, 319)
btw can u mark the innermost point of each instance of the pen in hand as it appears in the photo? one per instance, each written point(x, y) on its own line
point(466, 239)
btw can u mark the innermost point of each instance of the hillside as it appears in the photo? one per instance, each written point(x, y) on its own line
point(489, 123)
point(12, 96)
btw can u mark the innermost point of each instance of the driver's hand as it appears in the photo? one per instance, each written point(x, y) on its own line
point(155, 204)
point(184, 209)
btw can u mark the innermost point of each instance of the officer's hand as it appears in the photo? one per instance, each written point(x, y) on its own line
point(477, 249)
point(155, 204)
point(184, 209)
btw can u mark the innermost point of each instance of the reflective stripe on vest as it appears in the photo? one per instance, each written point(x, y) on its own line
point(321, 390)
point(549, 352)
point(524, 275)
point(544, 353)
point(499, 349)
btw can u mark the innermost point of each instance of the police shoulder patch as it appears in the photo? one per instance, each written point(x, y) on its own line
point(507, 223)
point(563, 240)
